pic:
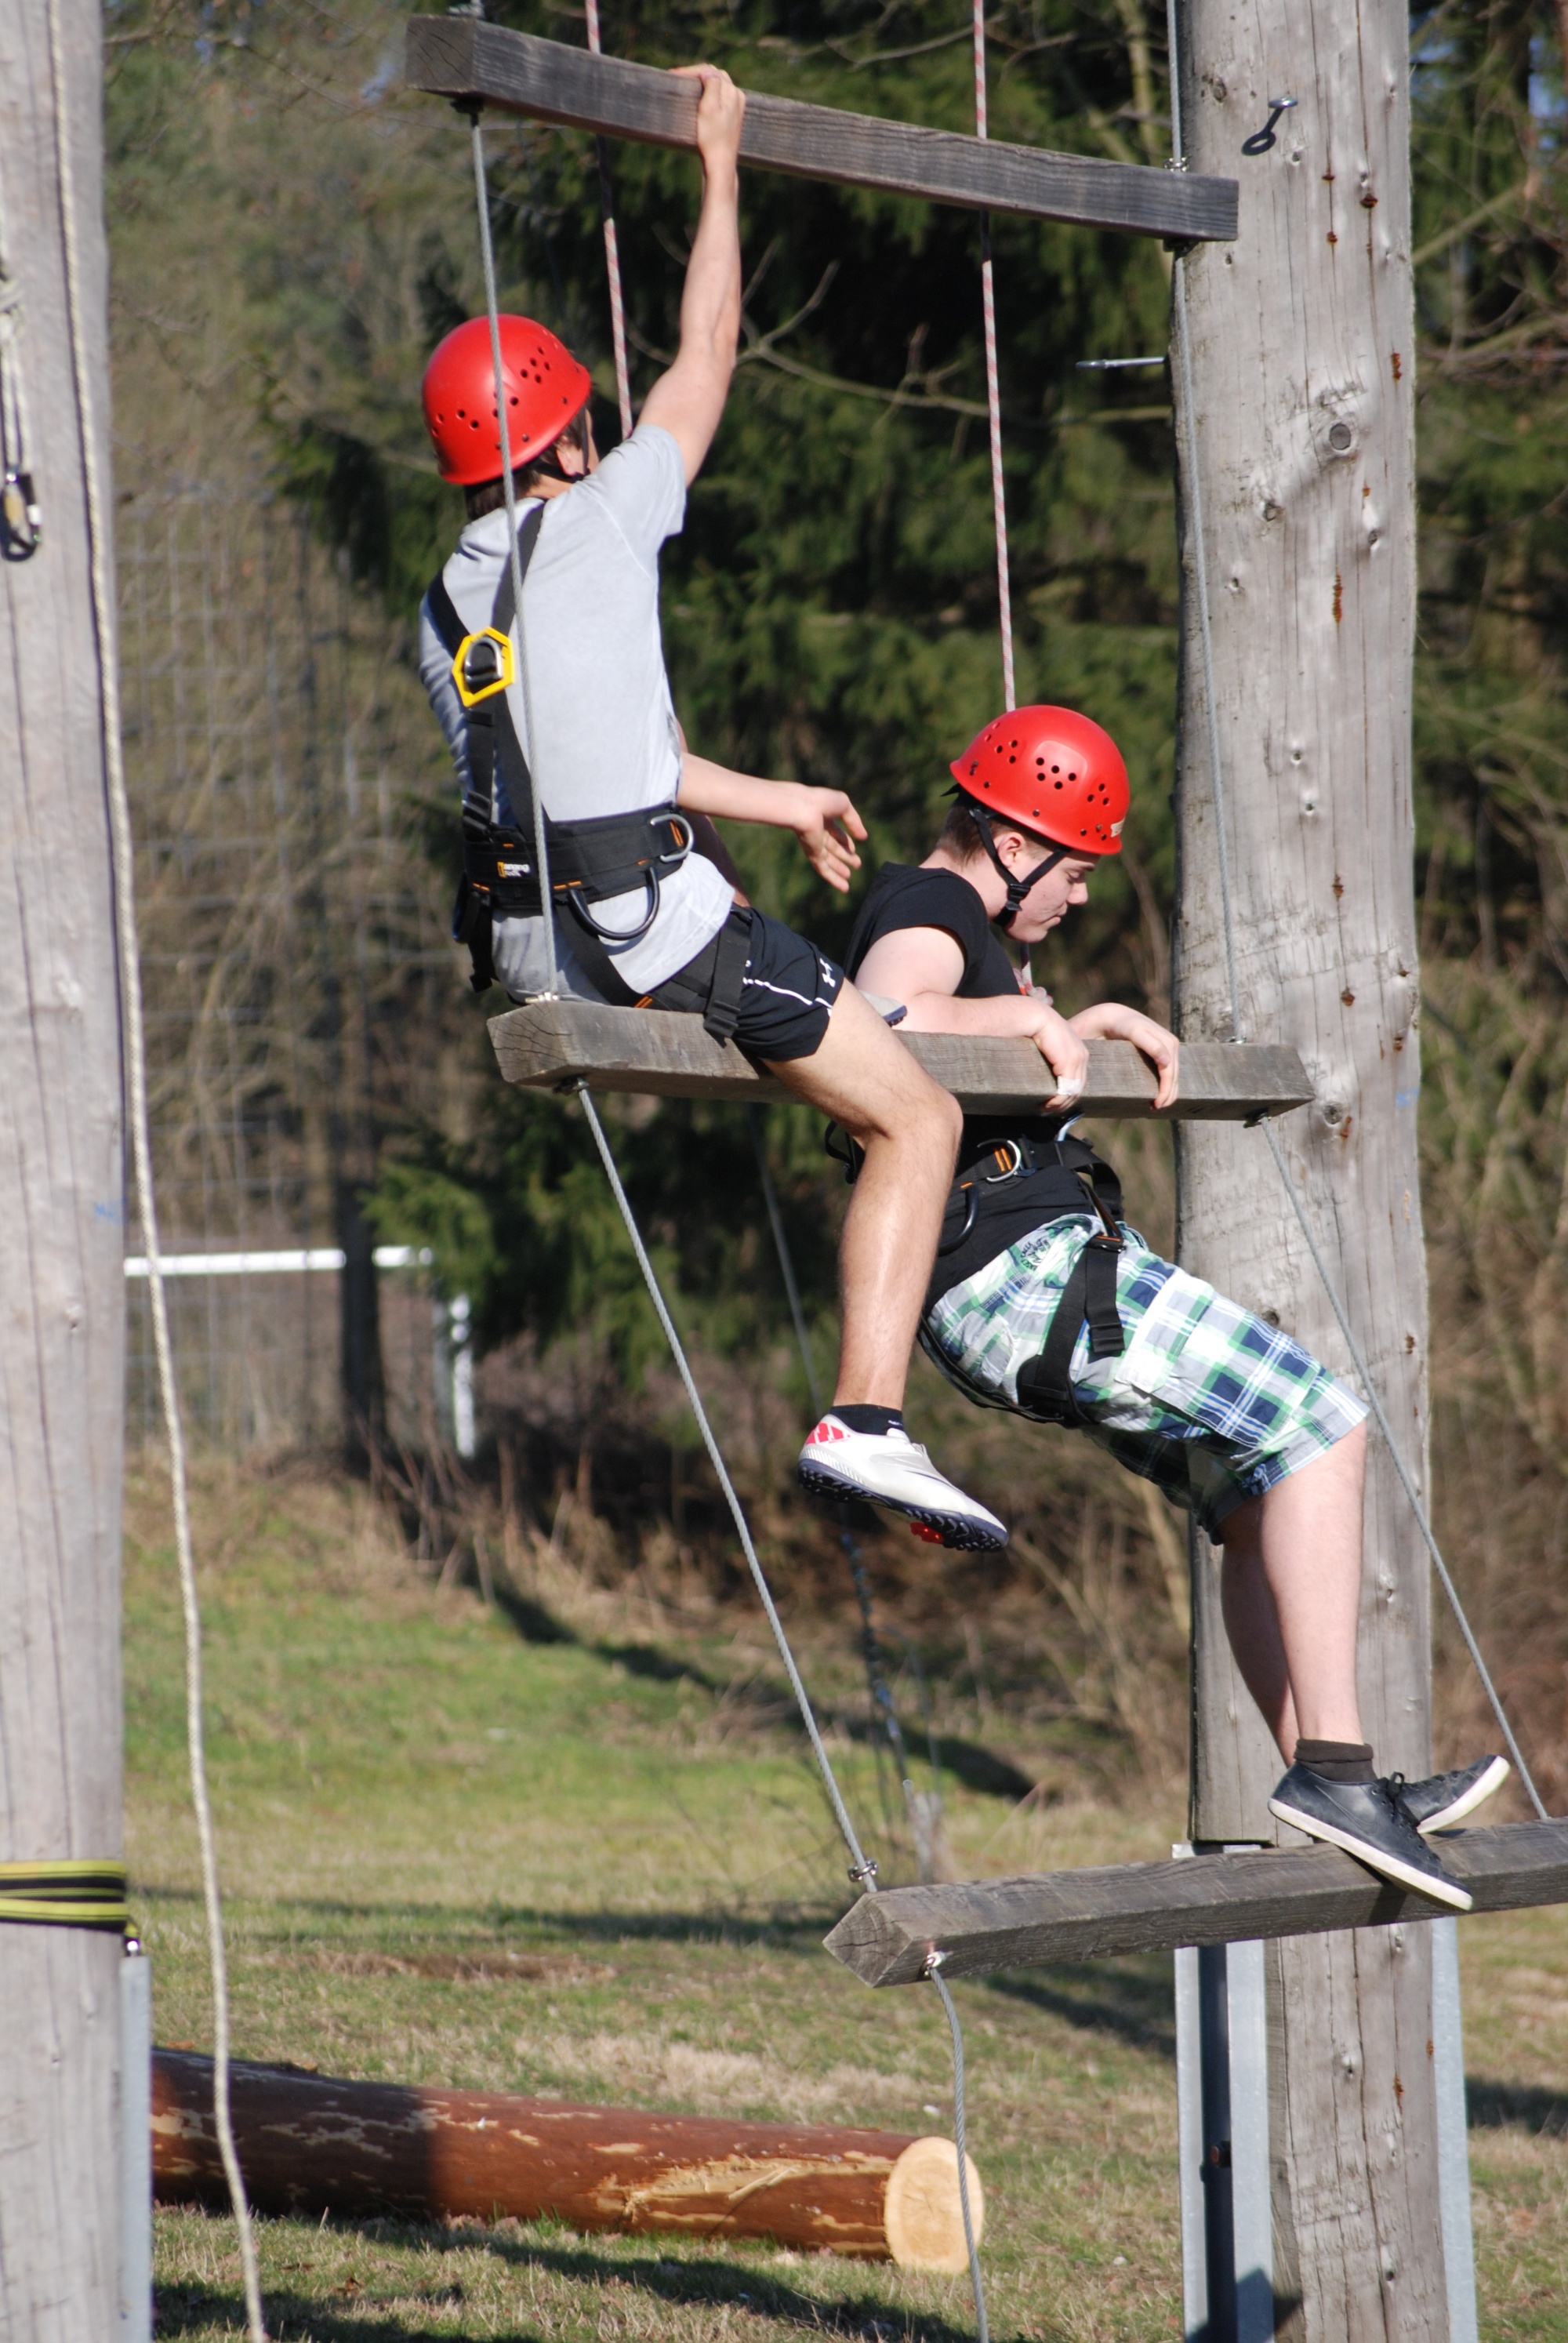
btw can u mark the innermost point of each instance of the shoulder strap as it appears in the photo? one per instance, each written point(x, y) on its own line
point(508, 750)
point(505, 607)
point(443, 614)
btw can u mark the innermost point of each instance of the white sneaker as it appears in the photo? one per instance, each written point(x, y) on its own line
point(889, 1468)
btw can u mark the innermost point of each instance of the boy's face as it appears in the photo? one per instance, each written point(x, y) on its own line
point(1059, 892)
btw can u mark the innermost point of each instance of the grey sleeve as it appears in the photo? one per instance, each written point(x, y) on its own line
point(435, 675)
point(642, 485)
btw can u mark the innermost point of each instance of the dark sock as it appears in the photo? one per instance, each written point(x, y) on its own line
point(1337, 1761)
point(875, 1420)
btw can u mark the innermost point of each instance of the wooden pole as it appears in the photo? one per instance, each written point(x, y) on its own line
point(312, 2144)
point(1304, 380)
point(62, 1281)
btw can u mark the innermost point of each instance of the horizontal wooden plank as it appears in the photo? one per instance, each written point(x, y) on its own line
point(660, 1054)
point(462, 56)
point(1202, 1900)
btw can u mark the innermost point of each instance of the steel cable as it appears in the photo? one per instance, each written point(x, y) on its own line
point(509, 492)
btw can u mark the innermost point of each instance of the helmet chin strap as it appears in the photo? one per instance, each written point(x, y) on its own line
point(1016, 889)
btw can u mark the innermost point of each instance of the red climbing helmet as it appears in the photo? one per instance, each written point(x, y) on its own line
point(1053, 771)
point(546, 387)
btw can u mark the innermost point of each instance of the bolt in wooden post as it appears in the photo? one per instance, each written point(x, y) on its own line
point(61, 1282)
point(1303, 373)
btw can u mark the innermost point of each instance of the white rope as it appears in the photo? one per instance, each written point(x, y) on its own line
point(519, 635)
point(122, 858)
point(993, 387)
point(611, 254)
point(1217, 798)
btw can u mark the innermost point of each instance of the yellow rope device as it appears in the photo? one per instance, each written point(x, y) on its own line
point(75, 1895)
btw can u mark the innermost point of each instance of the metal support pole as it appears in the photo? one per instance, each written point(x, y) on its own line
point(1222, 2125)
point(1452, 2137)
point(136, 2145)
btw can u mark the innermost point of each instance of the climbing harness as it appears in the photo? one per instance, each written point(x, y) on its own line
point(1218, 794)
point(1073, 1178)
point(590, 861)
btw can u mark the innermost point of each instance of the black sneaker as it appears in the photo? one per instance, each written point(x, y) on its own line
point(1368, 1820)
point(1444, 1800)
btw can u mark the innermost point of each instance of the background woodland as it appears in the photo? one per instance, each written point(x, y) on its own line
point(291, 231)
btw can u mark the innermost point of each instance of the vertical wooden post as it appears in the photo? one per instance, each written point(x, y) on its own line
point(61, 1282)
point(1303, 377)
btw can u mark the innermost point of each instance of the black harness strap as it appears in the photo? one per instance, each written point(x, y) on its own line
point(1045, 1383)
point(590, 861)
point(708, 986)
point(731, 949)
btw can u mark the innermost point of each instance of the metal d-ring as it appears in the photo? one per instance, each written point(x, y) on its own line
point(995, 1179)
point(681, 852)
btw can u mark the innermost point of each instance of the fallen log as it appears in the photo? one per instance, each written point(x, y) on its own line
point(314, 2144)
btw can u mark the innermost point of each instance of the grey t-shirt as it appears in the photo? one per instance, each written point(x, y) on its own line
point(604, 738)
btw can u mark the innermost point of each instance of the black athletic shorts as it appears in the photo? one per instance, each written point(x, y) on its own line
point(787, 994)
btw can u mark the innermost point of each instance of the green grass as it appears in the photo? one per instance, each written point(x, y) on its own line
point(402, 1778)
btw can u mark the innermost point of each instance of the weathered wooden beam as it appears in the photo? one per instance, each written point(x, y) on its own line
point(1201, 1899)
point(464, 57)
point(660, 1054)
point(312, 2144)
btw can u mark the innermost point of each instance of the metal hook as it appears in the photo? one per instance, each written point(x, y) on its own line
point(1262, 140)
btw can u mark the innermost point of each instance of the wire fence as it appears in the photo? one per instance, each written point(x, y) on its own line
point(298, 977)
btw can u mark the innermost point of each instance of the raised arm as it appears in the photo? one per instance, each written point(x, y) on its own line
point(689, 400)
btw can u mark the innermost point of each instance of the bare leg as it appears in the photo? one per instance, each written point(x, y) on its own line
point(908, 1126)
point(1290, 1592)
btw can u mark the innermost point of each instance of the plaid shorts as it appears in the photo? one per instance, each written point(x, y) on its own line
point(1208, 1401)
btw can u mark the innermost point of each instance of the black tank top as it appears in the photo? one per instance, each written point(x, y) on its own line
point(985, 1213)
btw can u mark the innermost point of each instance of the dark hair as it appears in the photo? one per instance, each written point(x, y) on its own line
point(962, 833)
point(489, 496)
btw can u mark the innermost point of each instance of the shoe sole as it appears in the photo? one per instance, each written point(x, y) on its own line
point(1387, 1866)
point(961, 1535)
point(1491, 1782)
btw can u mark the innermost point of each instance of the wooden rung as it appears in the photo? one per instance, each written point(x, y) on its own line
point(462, 58)
point(662, 1054)
point(1201, 1899)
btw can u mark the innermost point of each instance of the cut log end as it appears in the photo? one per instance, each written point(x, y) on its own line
point(923, 2214)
